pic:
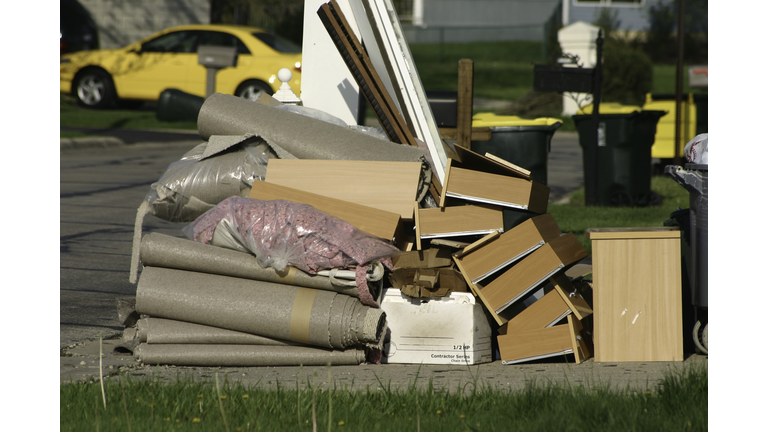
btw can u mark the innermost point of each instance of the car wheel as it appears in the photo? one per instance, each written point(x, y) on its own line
point(250, 89)
point(94, 89)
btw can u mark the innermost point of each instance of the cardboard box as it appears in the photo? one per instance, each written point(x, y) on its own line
point(427, 258)
point(438, 282)
point(447, 330)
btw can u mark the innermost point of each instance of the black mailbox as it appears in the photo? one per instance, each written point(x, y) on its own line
point(562, 79)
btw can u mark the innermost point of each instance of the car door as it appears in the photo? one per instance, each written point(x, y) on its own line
point(225, 78)
point(161, 63)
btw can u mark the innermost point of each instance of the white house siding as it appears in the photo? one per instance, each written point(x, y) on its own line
point(631, 18)
point(121, 22)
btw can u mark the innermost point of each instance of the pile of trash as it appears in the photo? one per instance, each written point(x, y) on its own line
point(308, 242)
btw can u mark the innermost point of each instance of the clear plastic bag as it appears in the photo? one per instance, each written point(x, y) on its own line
point(197, 182)
point(696, 150)
point(282, 233)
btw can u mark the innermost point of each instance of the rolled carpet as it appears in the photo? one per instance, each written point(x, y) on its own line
point(164, 331)
point(244, 355)
point(294, 136)
point(160, 250)
point(284, 312)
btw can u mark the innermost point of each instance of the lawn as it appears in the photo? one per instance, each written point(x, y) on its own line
point(679, 403)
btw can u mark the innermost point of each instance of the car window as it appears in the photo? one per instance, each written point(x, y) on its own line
point(278, 43)
point(176, 42)
point(223, 39)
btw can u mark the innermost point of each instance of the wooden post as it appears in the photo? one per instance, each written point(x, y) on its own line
point(464, 103)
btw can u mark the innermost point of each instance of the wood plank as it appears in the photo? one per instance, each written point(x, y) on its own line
point(509, 247)
point(479, 186)
point(388, 186)
point(637, 299)
point(517, 347)
point(477, 133)
point(464, 103)
point(582, 343)
point(471, 160)
point(571, 296)
point(508, 164)
point(633, 233)
point(544, 312)
point(459, 221)
point(532, 271)
point(376, 222)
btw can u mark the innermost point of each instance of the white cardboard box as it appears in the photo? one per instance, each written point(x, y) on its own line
point(444, 330)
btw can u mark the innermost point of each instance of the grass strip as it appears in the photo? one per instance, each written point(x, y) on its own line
point(678, 403)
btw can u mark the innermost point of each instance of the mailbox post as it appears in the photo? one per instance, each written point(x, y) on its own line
point(215, 58)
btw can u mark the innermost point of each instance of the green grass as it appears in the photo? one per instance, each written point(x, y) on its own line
point(577, 218)
point(679, 403)
point(75, 116)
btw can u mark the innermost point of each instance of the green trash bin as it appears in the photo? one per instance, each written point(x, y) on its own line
point(623, 171)
point(523, 142)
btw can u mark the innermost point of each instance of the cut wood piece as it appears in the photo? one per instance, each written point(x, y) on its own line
point(388, 186)
point(519, 347)
point(637, 297)
point(571, 296)
point(582, 341)
point(544, 312)
point(508, 164)
point(458, 221)
point(455, 244)
point(464, 103)
point(532, 271)
point(376, 222)
point(479, 186)
point(489, 256)
point(475, 161)
point(478, 133)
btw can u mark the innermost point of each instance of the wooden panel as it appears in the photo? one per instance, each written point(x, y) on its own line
point(627, 233)
point(571, 296)
point(496, 189)
point(509, 247)
point(582, 344)
point(535, 344)
point(533, 270)
point(464, 103)
point(637, 299)
point(508, 164)
point(471, 160)
point(388, 186)
point(459, 221)
point(377, 222)
point(544, 312)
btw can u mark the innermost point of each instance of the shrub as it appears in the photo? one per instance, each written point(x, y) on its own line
point(627, 73)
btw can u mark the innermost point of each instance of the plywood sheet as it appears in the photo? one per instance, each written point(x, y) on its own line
point(637, 299)
point(458, 221)
point(516, 347)
point(377, 222)
point(388, 186)
point(543, 313)
point(484, 187)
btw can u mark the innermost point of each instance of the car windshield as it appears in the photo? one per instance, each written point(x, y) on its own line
point(278, 43)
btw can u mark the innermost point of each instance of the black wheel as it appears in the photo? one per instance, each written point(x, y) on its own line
point(622, 199)
point(94, 89)
point(251, 88)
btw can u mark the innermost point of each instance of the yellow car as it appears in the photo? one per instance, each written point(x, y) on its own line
point(168, 59)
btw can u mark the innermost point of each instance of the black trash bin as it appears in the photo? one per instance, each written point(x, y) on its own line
point(523, 142)
point(623, 167)
point(176, 105)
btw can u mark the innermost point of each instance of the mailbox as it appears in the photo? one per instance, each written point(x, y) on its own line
point(215, 58)
point(562, 79)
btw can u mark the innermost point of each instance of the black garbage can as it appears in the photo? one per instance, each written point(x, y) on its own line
point(523, 142)
point(176, 105)
point(623, 167)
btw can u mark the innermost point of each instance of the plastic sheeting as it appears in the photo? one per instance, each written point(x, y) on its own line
point(160, 250)
point(245, 355)
point(284, 312)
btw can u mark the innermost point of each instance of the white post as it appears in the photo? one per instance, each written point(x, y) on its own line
point(418, 12)
point(326, 82)
point(566, 12)
point(578, 39)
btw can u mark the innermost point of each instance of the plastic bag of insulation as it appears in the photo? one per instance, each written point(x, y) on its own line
point(696, 150)
point(208, 174)
point(282, 233)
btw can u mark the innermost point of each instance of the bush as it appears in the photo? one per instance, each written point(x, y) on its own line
point(627, 73)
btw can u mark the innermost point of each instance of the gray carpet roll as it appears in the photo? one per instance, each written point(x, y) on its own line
point(244, 355)
point(299, 136)
point(278, 311)
point(165, 331)
point(160, 250)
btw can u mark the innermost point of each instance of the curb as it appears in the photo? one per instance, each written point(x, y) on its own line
point(90, 142)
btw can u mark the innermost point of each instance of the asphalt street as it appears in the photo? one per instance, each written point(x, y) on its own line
point(102, 184)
